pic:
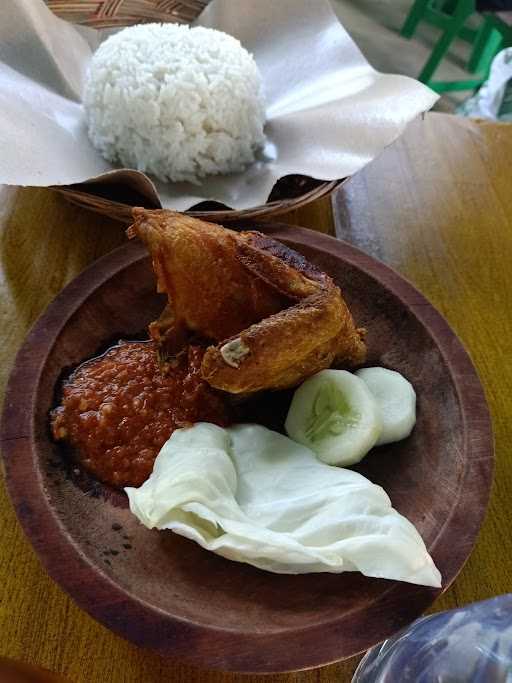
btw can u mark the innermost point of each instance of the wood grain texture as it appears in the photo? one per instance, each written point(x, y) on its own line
point(437, 207)
point(168, 594)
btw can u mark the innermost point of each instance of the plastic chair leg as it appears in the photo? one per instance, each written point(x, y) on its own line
point(464, 10)
point(414, 17)
point(484, 33)
point(488, 43)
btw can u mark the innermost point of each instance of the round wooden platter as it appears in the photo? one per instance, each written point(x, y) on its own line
point(164, 592)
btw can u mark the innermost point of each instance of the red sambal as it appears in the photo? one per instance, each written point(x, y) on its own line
point(118, 410)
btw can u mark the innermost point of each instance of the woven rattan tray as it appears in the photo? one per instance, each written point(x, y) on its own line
point(290, 193)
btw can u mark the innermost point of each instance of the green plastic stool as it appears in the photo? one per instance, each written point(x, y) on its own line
point(487, 40)
point(450, 17)
point(495, 34)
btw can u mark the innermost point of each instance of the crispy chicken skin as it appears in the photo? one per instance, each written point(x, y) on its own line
point(274, 318)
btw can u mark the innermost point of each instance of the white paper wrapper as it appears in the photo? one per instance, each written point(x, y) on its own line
point(329, 112)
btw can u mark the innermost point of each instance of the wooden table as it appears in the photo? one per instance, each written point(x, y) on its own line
point(437, 206)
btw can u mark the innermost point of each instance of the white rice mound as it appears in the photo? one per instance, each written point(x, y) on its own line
point(174, 101)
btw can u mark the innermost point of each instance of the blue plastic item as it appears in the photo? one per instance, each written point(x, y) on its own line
point(470, 644)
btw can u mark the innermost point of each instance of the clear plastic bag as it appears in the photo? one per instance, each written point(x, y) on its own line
point(473, 644)
point(494, 99)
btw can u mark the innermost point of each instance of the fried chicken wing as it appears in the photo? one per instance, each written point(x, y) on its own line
point(273, 318)
point(210, 290)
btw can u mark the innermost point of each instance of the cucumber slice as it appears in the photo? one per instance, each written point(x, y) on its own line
point(336, 416)
point(396, 399)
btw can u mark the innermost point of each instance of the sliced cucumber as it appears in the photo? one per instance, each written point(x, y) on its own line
point(396, 399)
point(336, 416)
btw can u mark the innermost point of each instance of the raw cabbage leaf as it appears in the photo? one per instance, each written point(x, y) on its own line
point(253, 495)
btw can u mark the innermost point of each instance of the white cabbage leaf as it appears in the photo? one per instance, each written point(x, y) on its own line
point(253, 495)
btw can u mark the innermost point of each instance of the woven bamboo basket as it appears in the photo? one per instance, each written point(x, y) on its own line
point(289, 193)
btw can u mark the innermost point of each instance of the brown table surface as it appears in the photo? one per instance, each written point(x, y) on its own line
point(437, 206)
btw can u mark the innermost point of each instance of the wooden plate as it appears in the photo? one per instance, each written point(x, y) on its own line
point(164, 592)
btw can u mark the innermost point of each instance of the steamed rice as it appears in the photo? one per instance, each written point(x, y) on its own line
point(175, 102)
